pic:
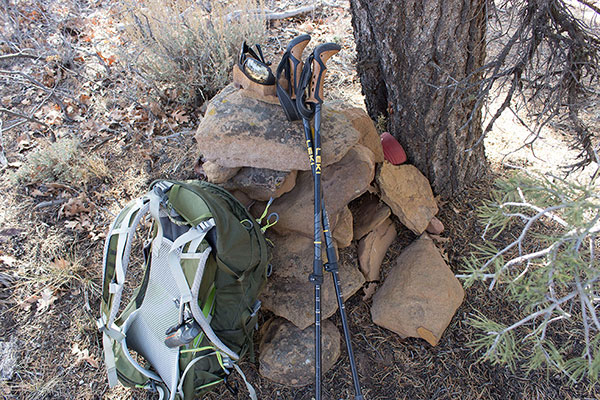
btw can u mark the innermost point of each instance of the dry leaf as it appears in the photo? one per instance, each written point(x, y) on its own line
point(24, 142)
point(95, 236)
point(75, 206)
point(44, 302)
point(37, 193)
point(61, 263)
point(83, 355)
point(26, 304)
point(73, 225)
point(180, 117)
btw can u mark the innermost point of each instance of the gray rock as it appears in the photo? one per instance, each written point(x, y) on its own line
point(420, 294)
point(369, 214)
point(408, 193)
point(234, 124)
point(261, 183)
point(372, 249)
point(8, 359)
point(287, 352)
point(341, 183)
point(288, 292)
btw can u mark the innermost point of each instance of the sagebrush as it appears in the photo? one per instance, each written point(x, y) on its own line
point(63, 161)
point(185, 53)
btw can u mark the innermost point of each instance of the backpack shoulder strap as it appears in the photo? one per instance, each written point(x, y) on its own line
point(117, 250)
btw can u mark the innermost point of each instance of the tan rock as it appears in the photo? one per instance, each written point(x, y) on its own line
point(369, 214)
point(342, 234)
point(373, 247)
point(419, 295)
point(369, 136)
point(341, 183)
point(239, 131)
point(242, 198)
point(216, 173)
point(288, 292)
point(261, 183)
point(408, 193)
point(287, 352)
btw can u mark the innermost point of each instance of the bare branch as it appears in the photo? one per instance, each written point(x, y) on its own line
point(26, 117)
point(4, 57)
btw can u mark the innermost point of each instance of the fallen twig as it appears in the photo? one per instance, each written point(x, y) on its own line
point(270, 15)
point(3, 160)
point(50, 203)
point(20, 54)
point(19, 115)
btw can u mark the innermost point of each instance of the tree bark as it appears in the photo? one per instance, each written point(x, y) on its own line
point(410, 55)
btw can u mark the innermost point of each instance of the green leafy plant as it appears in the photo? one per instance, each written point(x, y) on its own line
point(550, 270)
point(185, 51)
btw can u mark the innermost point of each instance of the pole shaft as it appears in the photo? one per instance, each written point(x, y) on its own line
point(332, 262)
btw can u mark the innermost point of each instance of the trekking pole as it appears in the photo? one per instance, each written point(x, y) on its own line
point(291, 68)
point(314, 73)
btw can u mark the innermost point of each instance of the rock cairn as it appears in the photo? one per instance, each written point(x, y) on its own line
point(249, 148)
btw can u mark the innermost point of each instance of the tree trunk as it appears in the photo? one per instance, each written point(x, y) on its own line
point(409, 55)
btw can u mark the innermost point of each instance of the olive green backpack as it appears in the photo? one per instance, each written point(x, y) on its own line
point(194, 312)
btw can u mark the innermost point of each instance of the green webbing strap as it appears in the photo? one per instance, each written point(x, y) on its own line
point(272, 218)
point(198, 315)
point(264, 214)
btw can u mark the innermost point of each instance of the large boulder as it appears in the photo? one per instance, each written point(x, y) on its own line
point(373, 247)
point(341, 183)
point(287, 352)
point(408, 193)
point(420, 294)
point(288, 292)
point(234, 124)
point(262, 183)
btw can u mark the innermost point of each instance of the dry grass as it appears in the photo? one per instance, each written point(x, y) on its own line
point(178, 46)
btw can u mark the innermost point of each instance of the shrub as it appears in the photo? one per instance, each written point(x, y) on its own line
point(550, 271)
point(180, 47)
point(61, 161)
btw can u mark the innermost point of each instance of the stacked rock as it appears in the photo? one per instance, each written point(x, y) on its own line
point(250, 148)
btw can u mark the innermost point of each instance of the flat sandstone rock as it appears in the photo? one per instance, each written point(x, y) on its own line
point(261, 183)
point(287, 352)
point(369, 214)
point(240, 131)
point(341, 183)
point(288, 292)
point(373, 247)
point(408, 193)
point(420, 294)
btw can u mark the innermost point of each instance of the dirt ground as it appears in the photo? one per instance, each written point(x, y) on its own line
point(51, 234)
